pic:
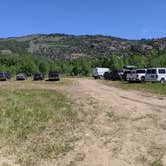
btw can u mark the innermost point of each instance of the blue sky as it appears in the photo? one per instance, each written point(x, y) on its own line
point(132, 19)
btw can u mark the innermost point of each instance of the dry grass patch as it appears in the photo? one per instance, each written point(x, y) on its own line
point(37, 122)
point(147, 87)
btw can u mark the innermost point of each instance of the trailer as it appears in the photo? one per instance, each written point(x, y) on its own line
point(98, 72)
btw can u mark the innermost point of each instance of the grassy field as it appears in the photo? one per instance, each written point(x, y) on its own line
point(147, 87)
point(37, 120)
point(39, 123)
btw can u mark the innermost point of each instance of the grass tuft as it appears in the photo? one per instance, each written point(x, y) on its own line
point(157, 163)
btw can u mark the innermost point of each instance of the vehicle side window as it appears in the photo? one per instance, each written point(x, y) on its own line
point(153, 71)
point(162, 71)
point(148, 71)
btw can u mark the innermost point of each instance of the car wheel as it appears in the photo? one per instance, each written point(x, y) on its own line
point(162, 81)
point(142, 79)
point(95, 77)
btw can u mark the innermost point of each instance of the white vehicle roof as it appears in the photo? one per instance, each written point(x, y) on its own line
point(157, 68)
point(101, 68)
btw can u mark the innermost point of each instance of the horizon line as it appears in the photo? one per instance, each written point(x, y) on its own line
point(70, 34)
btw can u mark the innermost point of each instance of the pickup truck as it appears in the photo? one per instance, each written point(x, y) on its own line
point(136, 75)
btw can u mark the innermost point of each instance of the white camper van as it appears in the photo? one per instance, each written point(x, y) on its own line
point(98, 72)
point(156, 75)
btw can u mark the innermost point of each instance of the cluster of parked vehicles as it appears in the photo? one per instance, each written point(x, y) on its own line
point(52, 76)
point(131, 74)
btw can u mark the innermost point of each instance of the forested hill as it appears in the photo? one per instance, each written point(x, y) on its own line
point(67, 47)
point(76, 55)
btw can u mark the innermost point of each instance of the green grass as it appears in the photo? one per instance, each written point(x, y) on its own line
point(148, 87)
point(157, 163)
point(26, 111)
point(37, 120)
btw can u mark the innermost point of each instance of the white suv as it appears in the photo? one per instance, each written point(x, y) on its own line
point(156, 74)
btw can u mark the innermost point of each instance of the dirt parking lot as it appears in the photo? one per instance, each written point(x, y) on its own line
point(116, 127)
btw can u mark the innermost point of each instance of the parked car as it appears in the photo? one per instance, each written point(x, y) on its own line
point(136, 75)
point(124, 76)
point(108, 75)
point(53, 76)
point(38, 76)
point(121, 73)
point(21, 76)
point(141, 74)
point(8, 76)
point(156, 75)
point(113, 75)
point(98, 72)
point(116, 75)
point(126, 70)
point(4, 76)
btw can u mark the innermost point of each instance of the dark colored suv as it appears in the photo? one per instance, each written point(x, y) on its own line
point(4, 76)
point(38, 76)
point(116, 75)
point(108, 75)
point(112, 75)
point(53, 76)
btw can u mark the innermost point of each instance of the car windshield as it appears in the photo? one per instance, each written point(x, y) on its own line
point(21, 74)
point(38, 74)
point(53, 73)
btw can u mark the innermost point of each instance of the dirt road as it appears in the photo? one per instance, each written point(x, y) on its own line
point(118, 127)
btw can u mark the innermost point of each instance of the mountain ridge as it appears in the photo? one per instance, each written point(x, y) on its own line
point(66, 47)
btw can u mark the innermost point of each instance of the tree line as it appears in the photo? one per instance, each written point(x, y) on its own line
point(31, 64)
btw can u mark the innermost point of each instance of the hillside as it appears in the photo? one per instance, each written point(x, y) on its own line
point(77, 55)
point(67, 47)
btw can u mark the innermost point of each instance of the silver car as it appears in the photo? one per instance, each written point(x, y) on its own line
point(21, 76)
